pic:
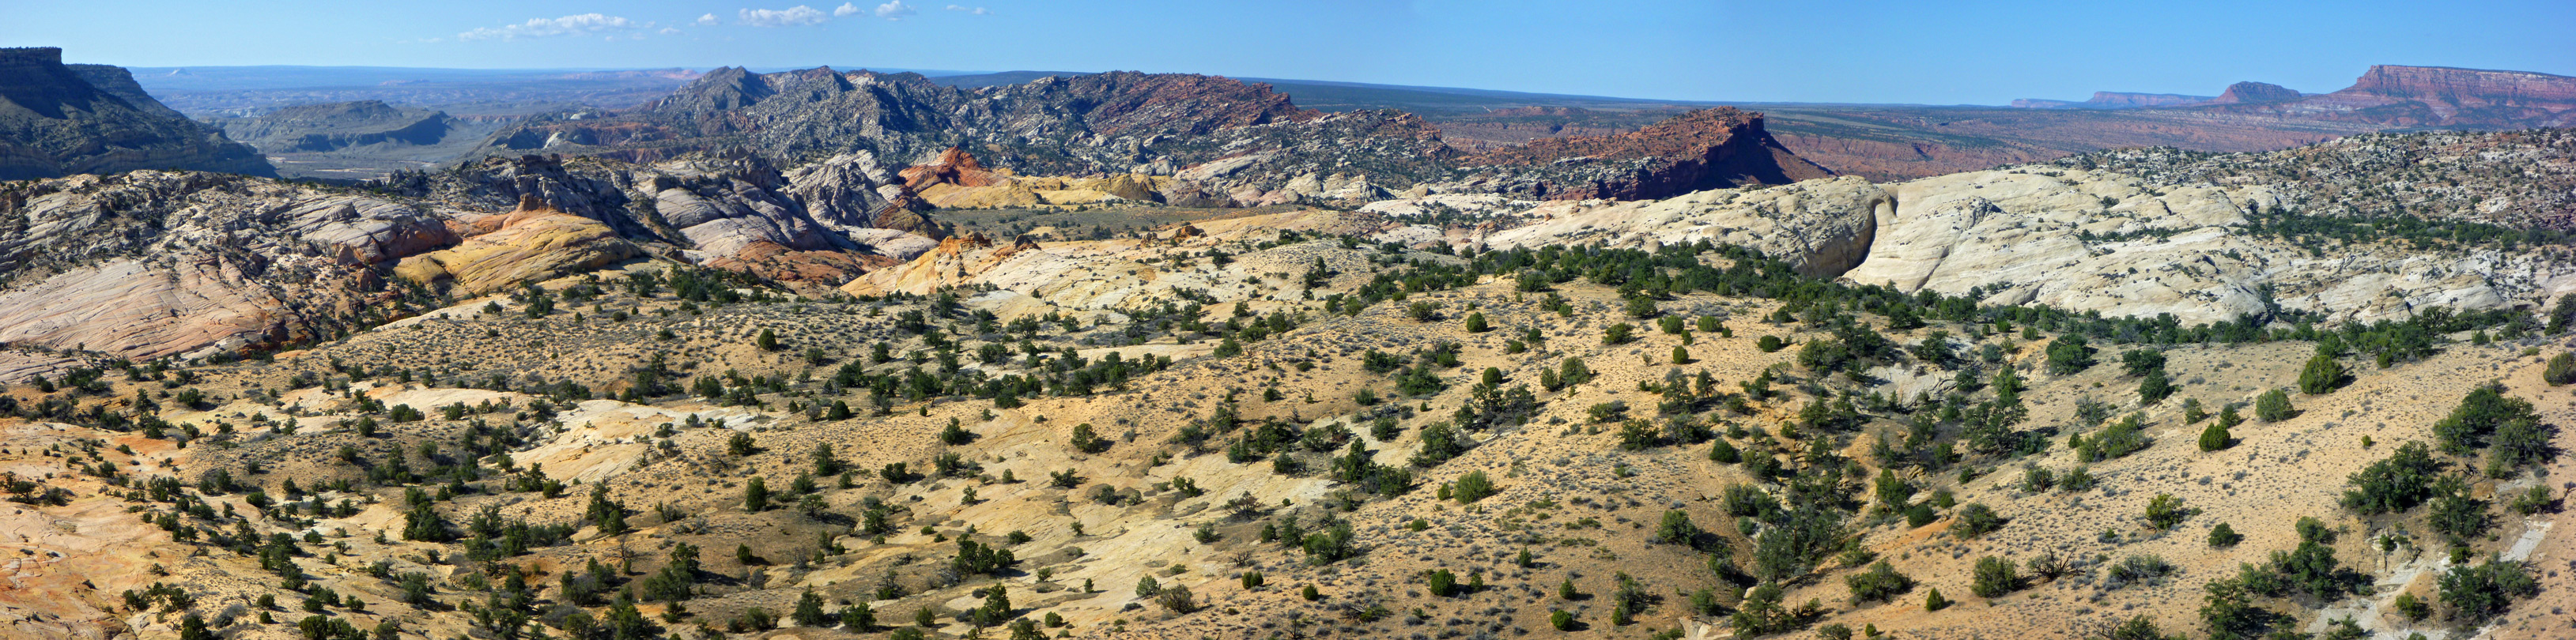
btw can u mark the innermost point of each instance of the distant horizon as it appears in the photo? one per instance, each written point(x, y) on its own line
point(161, 71)
point(1826, 52)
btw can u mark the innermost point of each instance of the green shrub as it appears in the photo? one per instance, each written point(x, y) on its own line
point(1442, 583)
point(2154, 388)
point(2476, 593)
point(1880, 583)
point(2069, 354)
point(1995, 577)
point(1975, 519)
point(2215, 437)
point(2223, 536)
point(2273, 406)
point(2405, 479)
point(2561, 369)
point(1472, 487)
point(2164, 511)
point(2478, 416)
point(2321, 376)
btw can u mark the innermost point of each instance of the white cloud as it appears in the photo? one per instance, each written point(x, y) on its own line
point(894, 10)
point(670, 31)
point(788, 17)
point(587, 23)
point(707, 20)
point(845, 10)
point(974, 10)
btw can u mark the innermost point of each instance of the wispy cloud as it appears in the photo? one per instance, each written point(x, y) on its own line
point(670, 31)
point(587, 23)
point(974, 10)
point(895, 10)
point(788, 17)
point(846, 10)
point(707, 20)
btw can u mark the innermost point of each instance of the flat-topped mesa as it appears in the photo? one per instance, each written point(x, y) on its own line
point(2133, 100)
point(2451, 83)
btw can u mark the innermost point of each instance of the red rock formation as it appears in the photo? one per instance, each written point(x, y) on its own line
point(1703, 149)
point(954, 166)
point(2403, 96)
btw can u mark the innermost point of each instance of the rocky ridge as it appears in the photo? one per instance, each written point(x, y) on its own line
point(1230, 140)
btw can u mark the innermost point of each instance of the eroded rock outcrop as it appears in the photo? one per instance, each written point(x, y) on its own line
point(1822, 227)
point(529, 245)
point(152, 263)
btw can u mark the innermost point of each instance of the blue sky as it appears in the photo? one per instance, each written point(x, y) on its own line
point(1830, 51)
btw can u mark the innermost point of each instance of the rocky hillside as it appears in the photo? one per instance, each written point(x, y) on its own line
point(57, 120)
point(1488, 417)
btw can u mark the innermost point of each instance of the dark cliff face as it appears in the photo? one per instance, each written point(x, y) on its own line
point(1705, 149)
point(59, 120)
